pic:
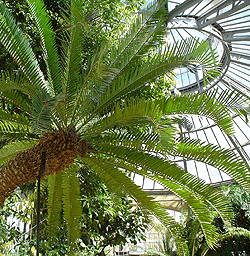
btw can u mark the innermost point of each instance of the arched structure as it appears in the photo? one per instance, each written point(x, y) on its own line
point(225, 24)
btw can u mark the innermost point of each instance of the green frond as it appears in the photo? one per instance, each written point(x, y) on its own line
point(115, 179)
point(71, 63)
point(42, 113)
point(71, 200)
point(224, 159)
point(80, 84)
point(236, 101)
point(159, 167)
point(163, 61)
point(230, 98)
point(16, 99)
point(10, 82)
point(198, 207)
point(9, 151)
point(13, 117)
point(12, 130)
point(128, 138)
point(16, 43)
point(146, 31)
point(128, 113)
point(54, 205)
point(93, 81)
point(73, 45)
point(47, 35)
point(199, 104)
point(193, 200)
point(167, 133)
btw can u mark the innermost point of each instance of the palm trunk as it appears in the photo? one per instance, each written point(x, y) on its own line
point(60, 151)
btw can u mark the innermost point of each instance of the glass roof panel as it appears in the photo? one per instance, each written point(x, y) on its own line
point(225, 24)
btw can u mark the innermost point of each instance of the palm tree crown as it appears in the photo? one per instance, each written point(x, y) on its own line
point(86, 114)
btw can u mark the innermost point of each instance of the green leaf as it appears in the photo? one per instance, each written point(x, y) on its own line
point(127, 113)
point(54, 205)
point(71, 199)
point(224, 159)
point(163, 61)
point(9, 151)
point(16, 43)
point(115, 179)
point(204, 104)
point(47, 35)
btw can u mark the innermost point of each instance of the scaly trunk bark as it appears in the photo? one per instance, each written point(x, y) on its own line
point(60, 151)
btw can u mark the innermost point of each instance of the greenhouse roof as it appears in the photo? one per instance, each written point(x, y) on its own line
point(225, 24)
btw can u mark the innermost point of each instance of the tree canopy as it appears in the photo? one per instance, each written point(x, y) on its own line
point(84, 113)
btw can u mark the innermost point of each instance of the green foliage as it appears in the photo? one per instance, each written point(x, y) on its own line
point(195, 149)
point(10, 235)
point(64, 206)
point(115, 17)
point(108, 219)
point(55, 205)
point(92, 89)
point(71, 205)
point(234, 240)
point(240, 201)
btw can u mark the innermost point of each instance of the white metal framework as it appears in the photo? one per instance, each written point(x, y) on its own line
point(225, 24)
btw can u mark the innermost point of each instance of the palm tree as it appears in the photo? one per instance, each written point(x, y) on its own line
point(86, 115)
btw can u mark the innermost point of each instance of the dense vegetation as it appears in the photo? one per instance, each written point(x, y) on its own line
point(80, 100)
point(235, 241)
point(107, 220)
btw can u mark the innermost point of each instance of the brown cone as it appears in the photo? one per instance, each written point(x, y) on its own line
point(83, 148)
point(60, 151)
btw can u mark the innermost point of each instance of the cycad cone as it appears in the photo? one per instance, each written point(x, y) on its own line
point(61, 150)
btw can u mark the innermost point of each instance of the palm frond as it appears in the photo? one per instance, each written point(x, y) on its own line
point(193, 200)
point(181, 54)
point(71, 62)
point(42, 112)
point(16, 99)
point(72, 45)
point(128, 138)
point(47, 35)
point(200, 104)
point(71, 58)
point(235, 101)
point(54, 205)
point(115, 179)
point(13, 117)
point(167, 133)
point(71, 204)
point(224, 159)
point(92, 82)
point(129, 112)
point(160, 167)
point(16, 43)
point(145, 32)
point(9, 82)
point(12, 130)
point(9, 151)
